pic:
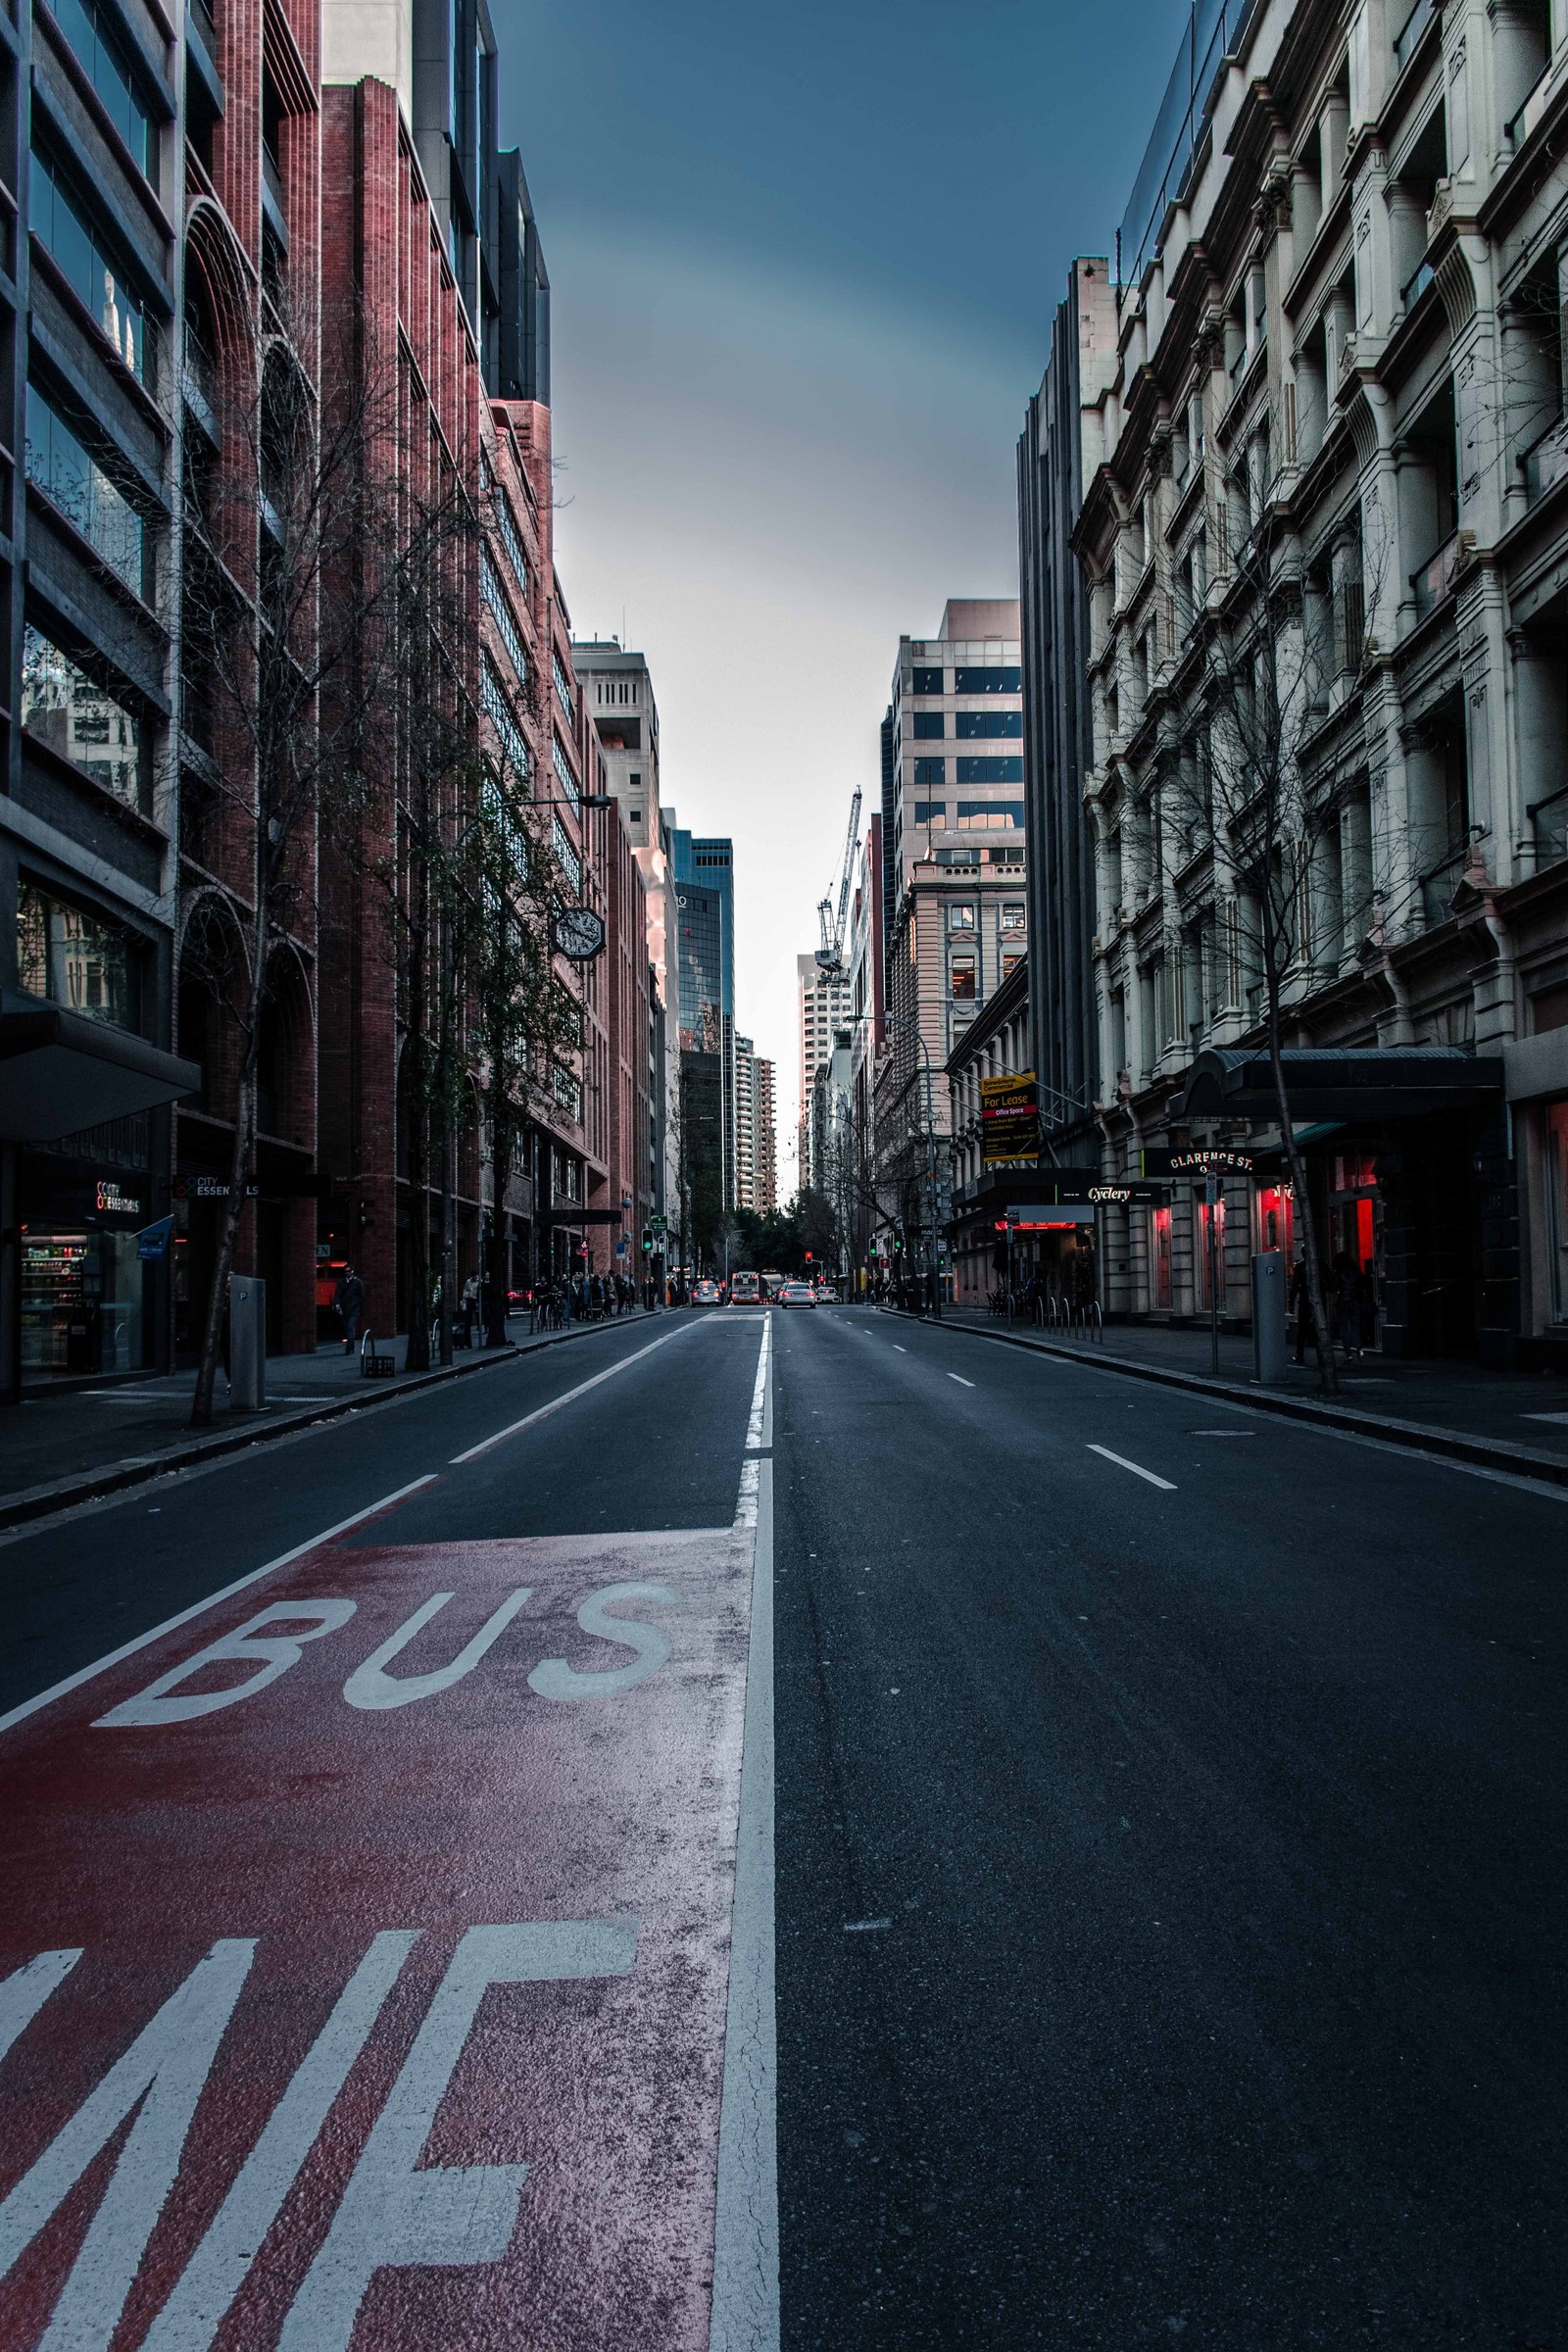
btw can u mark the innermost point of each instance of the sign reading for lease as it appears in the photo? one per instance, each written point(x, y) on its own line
point(1010, 1118)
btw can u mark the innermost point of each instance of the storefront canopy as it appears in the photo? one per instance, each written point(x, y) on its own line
point(60, 1072)
point(1397, 1082)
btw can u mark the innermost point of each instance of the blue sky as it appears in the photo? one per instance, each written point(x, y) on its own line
point(804, 265)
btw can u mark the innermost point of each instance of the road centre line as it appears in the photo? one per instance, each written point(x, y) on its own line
point(758, 1414)
point(542, 1412)
point(1137, 1468)
point(745, 2307)
point(128, 1649)
point(963, 1382)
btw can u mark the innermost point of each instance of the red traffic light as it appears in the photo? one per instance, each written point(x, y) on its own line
point(807, 1257)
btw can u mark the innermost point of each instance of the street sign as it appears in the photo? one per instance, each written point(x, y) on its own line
point(153, 1240)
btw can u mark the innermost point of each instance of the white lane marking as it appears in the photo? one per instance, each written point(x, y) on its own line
point(1137, 1468)
point(397, 2211)
point(758, 1413)
point(157, 2082)
point(25, 1990)
point(540, 1413)
point(218, 2270)
point(963, 1382)
point(1544, 1416)
point(865, 1926)
point(1222, 1433)
point(745, 2311)
point(198, 1608)
point(898, 1350)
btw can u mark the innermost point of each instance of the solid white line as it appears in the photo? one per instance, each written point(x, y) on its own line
point(541, 1412)
point(963, 1382)
point(758, 1413)
point(128, 1649)
point(1137, 1468)
point(746, 2305)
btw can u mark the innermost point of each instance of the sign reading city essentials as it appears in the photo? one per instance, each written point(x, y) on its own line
point(1009, 1118)
point(112, 1199)
point(206, 1188)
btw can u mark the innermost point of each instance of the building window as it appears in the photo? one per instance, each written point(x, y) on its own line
point(981, 725)
point(1009, 964)
point(64, 708)
point(497, 709)
point(979, 817)
point(957, 857)
point(564, 693)
point(563, 775)
point(930, 813)
point(100, 52)
point(929, 726)
point(1159, 1255)
point(961, 978)
point(990, 772)
point(500, 614)
point(927, 681)
point(1013, 918)
point(73, 958)
point(94, 278)
point(60, 467)
point(568, 1094)
point(961, 918)
point(988, 681)
point(511, 539)
point(567, 859)
point(930, 771)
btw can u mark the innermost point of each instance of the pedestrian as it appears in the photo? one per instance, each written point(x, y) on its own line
point(349, 1301)
point(1299, 1301)
point(1346, 1304)
point(467, 1309)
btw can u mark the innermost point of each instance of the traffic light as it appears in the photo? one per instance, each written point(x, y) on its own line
point(648, 1238)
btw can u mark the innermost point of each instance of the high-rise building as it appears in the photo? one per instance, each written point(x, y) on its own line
point(1057, 454)
point(756, 1140)
point(618, 696)
point(822, 1005)
point(957, 924)
point(705, 886)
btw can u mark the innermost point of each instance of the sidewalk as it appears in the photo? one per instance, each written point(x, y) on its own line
point(1514, 1420)
point(58, 1449)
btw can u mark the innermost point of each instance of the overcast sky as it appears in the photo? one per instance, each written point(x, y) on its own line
point(804, 265)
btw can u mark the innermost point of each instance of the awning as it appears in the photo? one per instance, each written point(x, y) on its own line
point(60, 1072)
point(1397, 1082)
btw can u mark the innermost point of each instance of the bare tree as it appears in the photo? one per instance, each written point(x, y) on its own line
point(277, 676)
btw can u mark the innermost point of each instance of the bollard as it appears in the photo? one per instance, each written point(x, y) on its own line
point(247, 1342)
point(1270, 1322)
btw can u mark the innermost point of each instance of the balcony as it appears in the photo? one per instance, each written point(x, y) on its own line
point(1431, 582)
point(1408, 38)
point(1549, 819)
point(1415, 285)
point(1439, 886)
point(1545, 461)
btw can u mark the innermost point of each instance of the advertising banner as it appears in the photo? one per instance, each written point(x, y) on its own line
point(1010, 1118)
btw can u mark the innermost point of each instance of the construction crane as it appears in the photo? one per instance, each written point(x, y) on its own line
point(830, 954)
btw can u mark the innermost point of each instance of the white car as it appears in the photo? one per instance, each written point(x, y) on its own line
point(797, 1294)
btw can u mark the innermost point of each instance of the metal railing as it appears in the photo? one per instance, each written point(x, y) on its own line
point(1545, 461)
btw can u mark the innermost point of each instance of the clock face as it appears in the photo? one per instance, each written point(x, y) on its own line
point(580, 933)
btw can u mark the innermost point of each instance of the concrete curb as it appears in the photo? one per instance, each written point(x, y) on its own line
point(1444, 1445)
point(62, 1495)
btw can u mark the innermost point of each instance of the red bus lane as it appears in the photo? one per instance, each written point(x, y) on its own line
point(365, 1957)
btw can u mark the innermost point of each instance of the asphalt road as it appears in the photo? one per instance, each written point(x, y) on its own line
point(1170, 1825)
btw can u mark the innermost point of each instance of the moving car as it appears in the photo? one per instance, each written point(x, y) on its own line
point(706, 1294)
point(797, 1294)
point(744, 1289)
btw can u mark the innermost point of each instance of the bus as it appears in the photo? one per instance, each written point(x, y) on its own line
point(745, 1289)
point(770, 1281)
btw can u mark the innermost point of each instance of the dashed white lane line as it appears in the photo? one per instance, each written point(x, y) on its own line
point(541, 1412)
point(963, 1382)
point(1137, 1468)
point(898, 1350)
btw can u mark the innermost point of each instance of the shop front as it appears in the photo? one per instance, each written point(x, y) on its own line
point(86, 1295)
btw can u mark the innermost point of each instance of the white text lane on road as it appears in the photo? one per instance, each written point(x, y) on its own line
point(1167, 1484)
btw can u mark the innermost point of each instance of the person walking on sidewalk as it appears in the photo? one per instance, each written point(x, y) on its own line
point(1299, 1302)
point(349, 1301)
point(1346, 1304)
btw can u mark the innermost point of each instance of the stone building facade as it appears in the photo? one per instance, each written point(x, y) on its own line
point(1334, 451)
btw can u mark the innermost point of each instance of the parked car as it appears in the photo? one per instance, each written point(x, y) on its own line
point(706, 1294)
point(797, 1294)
